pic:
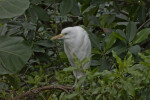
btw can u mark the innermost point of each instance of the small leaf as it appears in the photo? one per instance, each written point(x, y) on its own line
point(109, 41)
point(131, 31)
point(141, 36)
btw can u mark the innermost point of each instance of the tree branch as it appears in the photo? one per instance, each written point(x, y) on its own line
point(143, 24)
point(37, 90)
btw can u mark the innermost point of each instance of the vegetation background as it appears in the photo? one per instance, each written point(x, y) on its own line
point(32, 67)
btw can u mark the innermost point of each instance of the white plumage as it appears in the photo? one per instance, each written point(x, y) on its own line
point(76, 41)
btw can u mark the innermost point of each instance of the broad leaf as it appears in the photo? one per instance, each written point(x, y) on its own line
point(94, 40)
point(66, 6)
point(128, 87)
point(135, 49)
point(109, 41)
point(36, 11)
point(117, 35)
point(92, 20)
point(75, 8)
point(12, 8)
point(45, 43)
point(13, 54)
point(131, 31)
point(141, 36)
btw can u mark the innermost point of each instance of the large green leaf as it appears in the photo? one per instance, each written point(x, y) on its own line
point(94, 40)
point(12, 8)
point(75, 8)
point(117, 35)
point(38, 12)
point(141, 36)
point(66, 6)
point(13, 54)
point(135, 49)
point(131, 31)
point(109, 41)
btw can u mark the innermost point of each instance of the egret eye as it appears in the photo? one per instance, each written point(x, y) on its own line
point(65, 33)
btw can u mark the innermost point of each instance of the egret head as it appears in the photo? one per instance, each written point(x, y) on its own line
point(66, 33)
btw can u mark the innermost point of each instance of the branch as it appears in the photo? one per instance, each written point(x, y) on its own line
point(37, 90)
point(143, 24)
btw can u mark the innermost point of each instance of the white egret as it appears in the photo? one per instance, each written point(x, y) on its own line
point(76, 41)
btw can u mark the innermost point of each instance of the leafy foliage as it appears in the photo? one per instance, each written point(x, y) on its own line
point(29, 60)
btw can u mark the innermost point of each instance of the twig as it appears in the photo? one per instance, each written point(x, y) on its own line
point(36, 30)
point(37, 90)
point(143, 24)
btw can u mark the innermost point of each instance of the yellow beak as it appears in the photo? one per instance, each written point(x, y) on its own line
point(57, 36)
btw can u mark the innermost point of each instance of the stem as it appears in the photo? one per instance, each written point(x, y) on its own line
point(143, 24)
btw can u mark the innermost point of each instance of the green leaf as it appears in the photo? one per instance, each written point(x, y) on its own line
point(127, 85)
point(39, 12)
point(119, 61)
point(121, 33)
point(69, 69)
point(142, 13)
point(61, 97)
point(131, 31)
point(12, 8)
point(135, 49)
point(92, 20)
point(3, 29)
point(14, 80)
point(104, 20)
point(129, 61)
point(119, 49)
point(66, 6)
point(117, 35)
point(94, 40)
point(13, 54)
point(104, 64)
point(70, 96)
point(75, 8)
point(109, 41)
point(45, 43)
point(141, 36)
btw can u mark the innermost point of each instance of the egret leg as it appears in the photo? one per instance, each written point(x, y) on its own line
point(76, 80)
